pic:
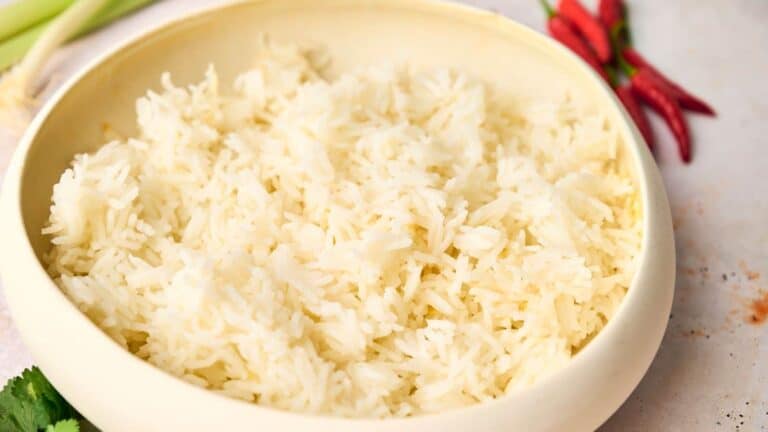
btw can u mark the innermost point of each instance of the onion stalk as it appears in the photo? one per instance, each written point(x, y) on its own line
point(32, 42)
point(23, 14)
point(60, 30)
point(13, 49)
point(16, 96)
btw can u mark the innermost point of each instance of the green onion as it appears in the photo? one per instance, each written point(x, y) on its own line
point(23, 14)
point(12, 50)
point(112, 11)
point(61, 29)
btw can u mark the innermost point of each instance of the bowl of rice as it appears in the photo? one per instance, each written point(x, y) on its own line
point(338, 215)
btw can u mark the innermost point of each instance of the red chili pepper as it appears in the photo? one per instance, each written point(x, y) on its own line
point(563, 31)
point(686, 99)
point(636, 112)
point(653, 91)
point(589, 26)
point(611, 13)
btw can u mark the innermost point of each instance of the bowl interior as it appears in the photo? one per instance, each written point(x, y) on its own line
point(394, 32)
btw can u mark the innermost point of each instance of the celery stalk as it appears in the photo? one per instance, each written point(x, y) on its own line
point(23, 14)
point(13, 49)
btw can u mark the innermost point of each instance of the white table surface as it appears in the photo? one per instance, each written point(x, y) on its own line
point(711, 372)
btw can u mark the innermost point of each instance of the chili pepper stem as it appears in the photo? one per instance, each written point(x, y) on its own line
point(617, 44)
point(620, 35)
point(547, 8)
point(627, 68)
point(625, 23)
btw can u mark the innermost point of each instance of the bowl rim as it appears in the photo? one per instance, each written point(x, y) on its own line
point(655, 212)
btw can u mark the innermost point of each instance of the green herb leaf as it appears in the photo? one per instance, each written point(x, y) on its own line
point(64, 426)
point(29, 403)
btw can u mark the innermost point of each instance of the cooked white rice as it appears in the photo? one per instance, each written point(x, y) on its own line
point(385, 243)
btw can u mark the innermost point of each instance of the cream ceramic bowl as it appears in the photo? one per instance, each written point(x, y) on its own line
point(119, 392)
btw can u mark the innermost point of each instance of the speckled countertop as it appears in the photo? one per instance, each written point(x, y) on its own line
point(711, 372)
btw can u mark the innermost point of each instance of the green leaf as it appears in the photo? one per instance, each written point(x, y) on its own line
point(29, 403)
point(70, 425)
point(17, 411)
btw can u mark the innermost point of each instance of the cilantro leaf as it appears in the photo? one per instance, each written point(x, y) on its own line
point(29, 403)
point(70, 425)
